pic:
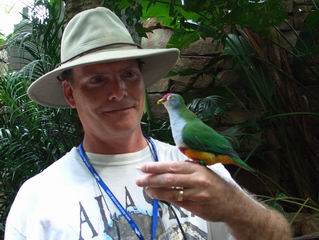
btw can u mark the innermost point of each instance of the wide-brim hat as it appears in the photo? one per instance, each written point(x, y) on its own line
point(98, 36)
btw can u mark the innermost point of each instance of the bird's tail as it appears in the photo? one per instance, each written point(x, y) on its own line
point(239, 162)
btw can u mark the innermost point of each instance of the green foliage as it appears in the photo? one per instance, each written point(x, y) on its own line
point(307, 47)
point(130, 12)
point(270, 84)
point(2, 39)
point(211, 18)
point(182, 38)
point(262, 90)
point(198, 19)
point(37, 40)
point(32, 137)
point(259, 83)
point(294, 202)
point(207, 108)
point(312, 20)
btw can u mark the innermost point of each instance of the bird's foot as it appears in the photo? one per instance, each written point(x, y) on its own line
point(202, 162)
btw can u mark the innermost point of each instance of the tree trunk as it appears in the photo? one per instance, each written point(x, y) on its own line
point(73, 7)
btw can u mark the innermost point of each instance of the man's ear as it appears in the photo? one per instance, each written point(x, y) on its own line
point(68, 93)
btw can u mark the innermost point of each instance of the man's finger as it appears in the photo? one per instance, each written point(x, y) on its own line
point(183, 167)
point(165, 180)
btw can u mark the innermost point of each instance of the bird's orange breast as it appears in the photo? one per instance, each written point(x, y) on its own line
point(208, 158)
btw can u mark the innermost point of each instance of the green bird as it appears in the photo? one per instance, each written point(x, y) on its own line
point(195, 139)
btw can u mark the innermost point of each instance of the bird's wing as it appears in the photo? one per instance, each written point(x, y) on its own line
point(198, 136)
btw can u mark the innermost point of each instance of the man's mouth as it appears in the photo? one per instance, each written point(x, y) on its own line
point(118, 109)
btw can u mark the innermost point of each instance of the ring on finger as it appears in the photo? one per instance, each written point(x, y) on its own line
point(180, 195)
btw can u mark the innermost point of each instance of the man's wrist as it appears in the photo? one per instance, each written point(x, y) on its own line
point(249, 219)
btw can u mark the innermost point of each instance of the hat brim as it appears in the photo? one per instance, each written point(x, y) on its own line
point(47, 90)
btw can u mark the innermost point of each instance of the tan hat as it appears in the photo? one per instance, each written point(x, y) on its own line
point(97, 36)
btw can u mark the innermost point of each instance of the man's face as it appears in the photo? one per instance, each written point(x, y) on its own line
point(109, 98)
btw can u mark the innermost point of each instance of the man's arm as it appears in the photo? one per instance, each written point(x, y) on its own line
point(209, 196)
point(264, 223)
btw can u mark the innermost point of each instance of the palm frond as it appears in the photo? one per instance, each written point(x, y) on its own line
point(208, 107)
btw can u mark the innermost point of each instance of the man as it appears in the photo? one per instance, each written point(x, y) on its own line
point(107, 188)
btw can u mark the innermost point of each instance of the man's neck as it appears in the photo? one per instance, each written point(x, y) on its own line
point(115, 144)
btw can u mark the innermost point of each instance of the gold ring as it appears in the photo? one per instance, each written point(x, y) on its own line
point(180, 196)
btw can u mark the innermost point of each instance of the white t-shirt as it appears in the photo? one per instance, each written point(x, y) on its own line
point(65, 202)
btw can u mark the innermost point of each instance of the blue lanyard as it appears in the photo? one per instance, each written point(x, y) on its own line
point(116, 202)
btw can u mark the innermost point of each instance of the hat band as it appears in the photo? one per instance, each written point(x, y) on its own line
point(108, 46)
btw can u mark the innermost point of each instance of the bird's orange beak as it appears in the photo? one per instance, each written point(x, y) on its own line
point(163, 99)
point(160, 101)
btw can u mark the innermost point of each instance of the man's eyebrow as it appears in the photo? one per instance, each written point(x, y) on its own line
point(131, 65)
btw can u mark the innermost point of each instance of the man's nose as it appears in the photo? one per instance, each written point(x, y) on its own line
point(117, 89)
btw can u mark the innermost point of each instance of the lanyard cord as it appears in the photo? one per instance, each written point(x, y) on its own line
point(177, 219)
point(153, 150)
point(101, 183)
point(155, 156)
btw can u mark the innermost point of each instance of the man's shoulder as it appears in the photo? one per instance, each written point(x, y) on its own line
point(42, 190)
point(164, 145)
point(53, 173)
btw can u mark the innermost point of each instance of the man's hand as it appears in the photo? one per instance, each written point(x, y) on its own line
point(203, 189)
point(210, 197)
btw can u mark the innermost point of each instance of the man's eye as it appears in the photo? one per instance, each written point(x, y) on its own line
point(96, 80)
point(129, 75)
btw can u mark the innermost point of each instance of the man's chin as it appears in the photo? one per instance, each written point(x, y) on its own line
point(123, 125)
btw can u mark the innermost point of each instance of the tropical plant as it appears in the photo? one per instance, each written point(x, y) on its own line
point(3, 60)
point(269, 87)
point(32, 137)
point(37, 39)
point(251, 38)
point(2, 39)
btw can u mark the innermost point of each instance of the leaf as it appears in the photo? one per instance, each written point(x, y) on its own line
point(141, 30)
point(208, 107)
point(312, 21)
point(182, 39)
point(158, 10)
point(32, 136)
point(2, 40)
